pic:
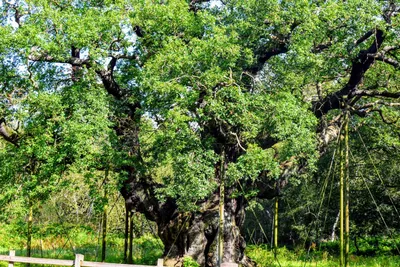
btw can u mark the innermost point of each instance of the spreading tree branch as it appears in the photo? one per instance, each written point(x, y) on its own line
point(379, 102)
point(387, 60)
point(391, 11)
point(364, 113)
point(194, 5)
point(11, 138)
point(108, 80)
point(321, 47)
point(375, 93)
point(364, 37)
point(44, 57)
point(263, 55)
point(106, 75)
point(359, 67)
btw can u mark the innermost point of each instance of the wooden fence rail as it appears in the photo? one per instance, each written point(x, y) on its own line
point(78, 262)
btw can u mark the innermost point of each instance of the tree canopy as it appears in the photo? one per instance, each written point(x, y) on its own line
point(181, 97)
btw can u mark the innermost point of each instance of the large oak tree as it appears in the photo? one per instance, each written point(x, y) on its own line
point(201, 94)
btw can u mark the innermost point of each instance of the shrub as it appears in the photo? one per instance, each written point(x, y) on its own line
point(150, 249)
point(189, 262)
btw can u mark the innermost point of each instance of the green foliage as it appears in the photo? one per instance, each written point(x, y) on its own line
point(189, 262)
point(11, 237)
point(64, 241)
point(148, 249)
point(253, 163)
point(377, 245)
point(264, 257)
point(188, 87)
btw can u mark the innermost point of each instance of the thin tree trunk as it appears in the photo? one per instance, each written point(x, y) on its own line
point(126, 236)
point(341, 203)
point(41, 244)
point(221, 211)
point(130, 256)
point(104, 236)
point(76, 208)
point(272, 231)
point(333, 235)
point(356, 245)
point(347, 191)
point(104, 228)
point(276, 227)
point(29, 234)
point(41, 247)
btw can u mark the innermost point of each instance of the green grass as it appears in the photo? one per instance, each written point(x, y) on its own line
point(264, 257)
point(60, 243)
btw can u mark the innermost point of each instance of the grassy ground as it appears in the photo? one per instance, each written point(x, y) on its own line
point(58, 243)
point(265, 258)
point(65, 244)
point(147, 253)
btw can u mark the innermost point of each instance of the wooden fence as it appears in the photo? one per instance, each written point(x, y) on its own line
point(78, 262)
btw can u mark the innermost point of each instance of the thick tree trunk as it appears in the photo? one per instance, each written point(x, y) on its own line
point(192, 234)
point(196, 234)
point(234, 243)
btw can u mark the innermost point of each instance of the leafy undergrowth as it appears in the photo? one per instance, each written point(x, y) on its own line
point(264, 257)
point(189, 262)
point(367, 246)
point(61, 243)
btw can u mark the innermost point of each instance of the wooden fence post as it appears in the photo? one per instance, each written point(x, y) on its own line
point(160, 263)
point(78, 260)
point(12, 254)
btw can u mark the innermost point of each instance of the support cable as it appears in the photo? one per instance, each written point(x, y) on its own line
point(258, 221)
point(330, 191)
point(159, 243)
point(322, 194)
point(377, 172)
point(341, 205)
point(325, 186)
point(377, 207)
point(255, 216)
point(347, 190)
